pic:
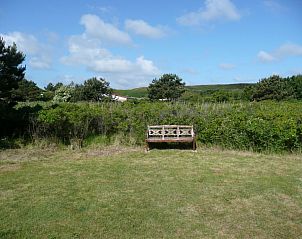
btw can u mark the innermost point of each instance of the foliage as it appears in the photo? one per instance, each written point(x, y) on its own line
point(67, 121)
point(191, 96)
point(63, 94)
point(248, 93)
point(11, 71)
point(96, 89)
point(93, 89)
point(221, 96)
point(296, 83)
point(27, 91)
point(77, 93)
point(52, 87)
point(50, 90)
point(168, 86)
point(273, 88)
point(266, 126)
point(276, 88)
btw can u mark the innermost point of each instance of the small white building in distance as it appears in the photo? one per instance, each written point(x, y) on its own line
point(119, 98)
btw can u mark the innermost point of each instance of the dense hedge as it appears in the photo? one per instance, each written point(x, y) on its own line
point(265, 126)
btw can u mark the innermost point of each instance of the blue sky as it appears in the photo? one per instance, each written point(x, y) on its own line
point(129, 43)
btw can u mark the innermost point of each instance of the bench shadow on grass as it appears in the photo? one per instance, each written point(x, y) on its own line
point(172, 145)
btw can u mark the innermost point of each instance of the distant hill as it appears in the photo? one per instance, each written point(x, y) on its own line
point(142, 91)
point(226, 87)
point(136, 92)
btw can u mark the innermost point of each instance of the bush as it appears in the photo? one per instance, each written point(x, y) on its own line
point(264, 126)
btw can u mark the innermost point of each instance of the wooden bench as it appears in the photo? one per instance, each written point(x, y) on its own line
point(170, 134)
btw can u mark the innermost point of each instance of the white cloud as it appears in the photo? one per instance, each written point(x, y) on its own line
point(142, 28)
point(108, 33)
point(273, 5)
point(226, 66)
point(52, 37)
point(84, 50)
point(289, 50)
point(265, 57)
point(40, 62)
point(102, 9)
point(38, 54)
point(214, 10)
point(105, 9)
point(284, 51)
point(91, 50)
point(24, 42)
point(119, 71)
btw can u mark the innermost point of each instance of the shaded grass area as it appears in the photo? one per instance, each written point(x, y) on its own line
point(125, 193)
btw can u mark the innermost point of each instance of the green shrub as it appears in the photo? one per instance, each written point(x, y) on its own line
point(259, 126)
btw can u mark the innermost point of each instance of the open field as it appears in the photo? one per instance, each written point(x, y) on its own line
point(125, 193)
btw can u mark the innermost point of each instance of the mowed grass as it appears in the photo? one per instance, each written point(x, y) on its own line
point(126, 193)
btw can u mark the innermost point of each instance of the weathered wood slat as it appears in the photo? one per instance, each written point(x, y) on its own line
point(170, 133)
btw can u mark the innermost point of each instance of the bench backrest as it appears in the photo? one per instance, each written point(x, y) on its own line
point(170, 131)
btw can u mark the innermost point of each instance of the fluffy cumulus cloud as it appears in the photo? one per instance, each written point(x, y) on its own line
point(108, 33)
point(212, 11)
point(88, 49)
point(38, 54)
point(284, 51)
point(142, 28)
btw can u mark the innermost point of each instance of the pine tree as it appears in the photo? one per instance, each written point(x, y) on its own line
point(11, 70)
point(168, 87)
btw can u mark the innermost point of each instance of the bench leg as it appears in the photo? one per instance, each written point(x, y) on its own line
point(194, 144)
point(147, 148)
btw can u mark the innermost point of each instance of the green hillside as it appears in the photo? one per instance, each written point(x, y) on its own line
point(136, 92)
point(226, 87)
point(142, 91)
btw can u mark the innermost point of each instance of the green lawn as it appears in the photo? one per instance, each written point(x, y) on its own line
point(126, 193)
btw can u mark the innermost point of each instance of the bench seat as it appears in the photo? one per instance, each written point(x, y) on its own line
point(170, 134)
point(154, 140)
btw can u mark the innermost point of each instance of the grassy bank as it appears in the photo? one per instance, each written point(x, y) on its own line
point(124, 193)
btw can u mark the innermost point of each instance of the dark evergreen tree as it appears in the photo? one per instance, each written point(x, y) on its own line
point(27, 91)
point(95, 89)
point(168, 86)
point(296, 83)
point(78, 93)
point(11, 70)
point(273, 88)
point(11, 73)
